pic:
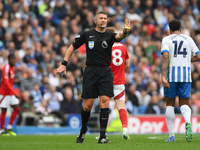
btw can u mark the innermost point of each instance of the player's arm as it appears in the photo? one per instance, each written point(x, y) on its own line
point(5, 78)
point(10, 88)
point(164, 68)
point(124, 33)
point(195, 50)
point(196, 58)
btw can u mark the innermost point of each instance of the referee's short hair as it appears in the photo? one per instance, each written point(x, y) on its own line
point(175, 25)
point(100, 12)
point(11, 55)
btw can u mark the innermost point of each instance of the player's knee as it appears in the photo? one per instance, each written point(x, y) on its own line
point(170, 102)
point(120, 107)
point(183, 101)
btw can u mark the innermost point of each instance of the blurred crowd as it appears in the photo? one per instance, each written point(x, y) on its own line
point(40, 31)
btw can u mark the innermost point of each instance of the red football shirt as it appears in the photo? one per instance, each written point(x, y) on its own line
point(119, 56)
point(7, 79)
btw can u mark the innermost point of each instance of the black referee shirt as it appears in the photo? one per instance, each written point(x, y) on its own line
point(98, 46)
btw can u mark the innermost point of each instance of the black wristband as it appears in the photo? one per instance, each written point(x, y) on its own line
point(64, 63)
point(125, 33)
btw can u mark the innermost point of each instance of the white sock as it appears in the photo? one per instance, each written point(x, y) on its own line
point(1, 131)
point(170, 117)
point(186, 112)
point(125, 129)
point(9, 127)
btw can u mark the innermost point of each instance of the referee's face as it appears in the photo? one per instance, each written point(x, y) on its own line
point(101, 21)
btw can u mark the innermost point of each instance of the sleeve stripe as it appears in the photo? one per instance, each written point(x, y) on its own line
point(6, 71)
point(197, 52)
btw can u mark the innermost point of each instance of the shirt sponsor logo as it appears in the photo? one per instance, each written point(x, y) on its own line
point(104, 44)
point(91, 44)
point(91, 36)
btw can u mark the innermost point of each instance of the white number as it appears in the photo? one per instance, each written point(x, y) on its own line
point(117, 59)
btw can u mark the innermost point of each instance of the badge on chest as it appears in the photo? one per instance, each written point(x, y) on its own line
point(104, 44)
point(91, 44)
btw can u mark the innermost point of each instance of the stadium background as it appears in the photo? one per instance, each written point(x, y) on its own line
point(40, 31)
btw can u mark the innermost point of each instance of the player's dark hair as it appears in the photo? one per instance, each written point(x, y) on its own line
point(175, 25)
point(100, 12)
point(11, 55)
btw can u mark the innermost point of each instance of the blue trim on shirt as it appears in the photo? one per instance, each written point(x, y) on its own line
point(179, 74)
point(173, 73)
point(184, 74)
point(188, 74)
point(197, 52)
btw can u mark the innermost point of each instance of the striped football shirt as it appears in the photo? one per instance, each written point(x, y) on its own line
point(180, 48)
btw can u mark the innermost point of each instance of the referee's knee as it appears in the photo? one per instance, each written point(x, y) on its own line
point(87, 108)
point(104, 103)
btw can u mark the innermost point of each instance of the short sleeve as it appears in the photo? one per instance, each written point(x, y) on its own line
point(164, 46)
point(113, 37)
point(4, 73)
point(79, 40)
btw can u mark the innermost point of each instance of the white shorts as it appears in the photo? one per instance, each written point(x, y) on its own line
point(119, 92)
point(5, 101)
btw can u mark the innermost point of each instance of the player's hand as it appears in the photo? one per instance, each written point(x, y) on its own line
point(165, 83)
point(127, 26)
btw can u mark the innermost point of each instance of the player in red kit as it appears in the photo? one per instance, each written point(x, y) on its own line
point(119, 64)
point(8, 96)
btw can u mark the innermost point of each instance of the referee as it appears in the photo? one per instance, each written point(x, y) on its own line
point(97, 76)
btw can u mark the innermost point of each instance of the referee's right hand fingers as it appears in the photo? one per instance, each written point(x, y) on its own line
point(60, 69)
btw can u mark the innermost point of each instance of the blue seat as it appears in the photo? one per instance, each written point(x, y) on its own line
point(142, 109)
point(135, 110)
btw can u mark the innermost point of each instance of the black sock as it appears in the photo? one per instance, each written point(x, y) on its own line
point(104, 113)
point(85, 117)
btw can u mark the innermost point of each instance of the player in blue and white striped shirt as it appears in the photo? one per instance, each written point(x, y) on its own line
point(177, 50)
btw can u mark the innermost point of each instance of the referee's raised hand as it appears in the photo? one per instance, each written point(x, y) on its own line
point(127, 26)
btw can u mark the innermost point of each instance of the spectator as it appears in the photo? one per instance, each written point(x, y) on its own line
point(69, 104)
point(45, 83)
point(26, 103)
point(153, 107)
point(132, 95)
point(144, 98)
point(28, 82)
point(36, 94)
point(53, 98)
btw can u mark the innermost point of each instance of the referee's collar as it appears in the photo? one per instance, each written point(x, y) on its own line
point(99, 31)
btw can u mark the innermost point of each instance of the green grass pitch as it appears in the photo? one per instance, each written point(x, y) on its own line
point(68, 142)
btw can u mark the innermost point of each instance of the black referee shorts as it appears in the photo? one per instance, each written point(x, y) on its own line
point(97, 81)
